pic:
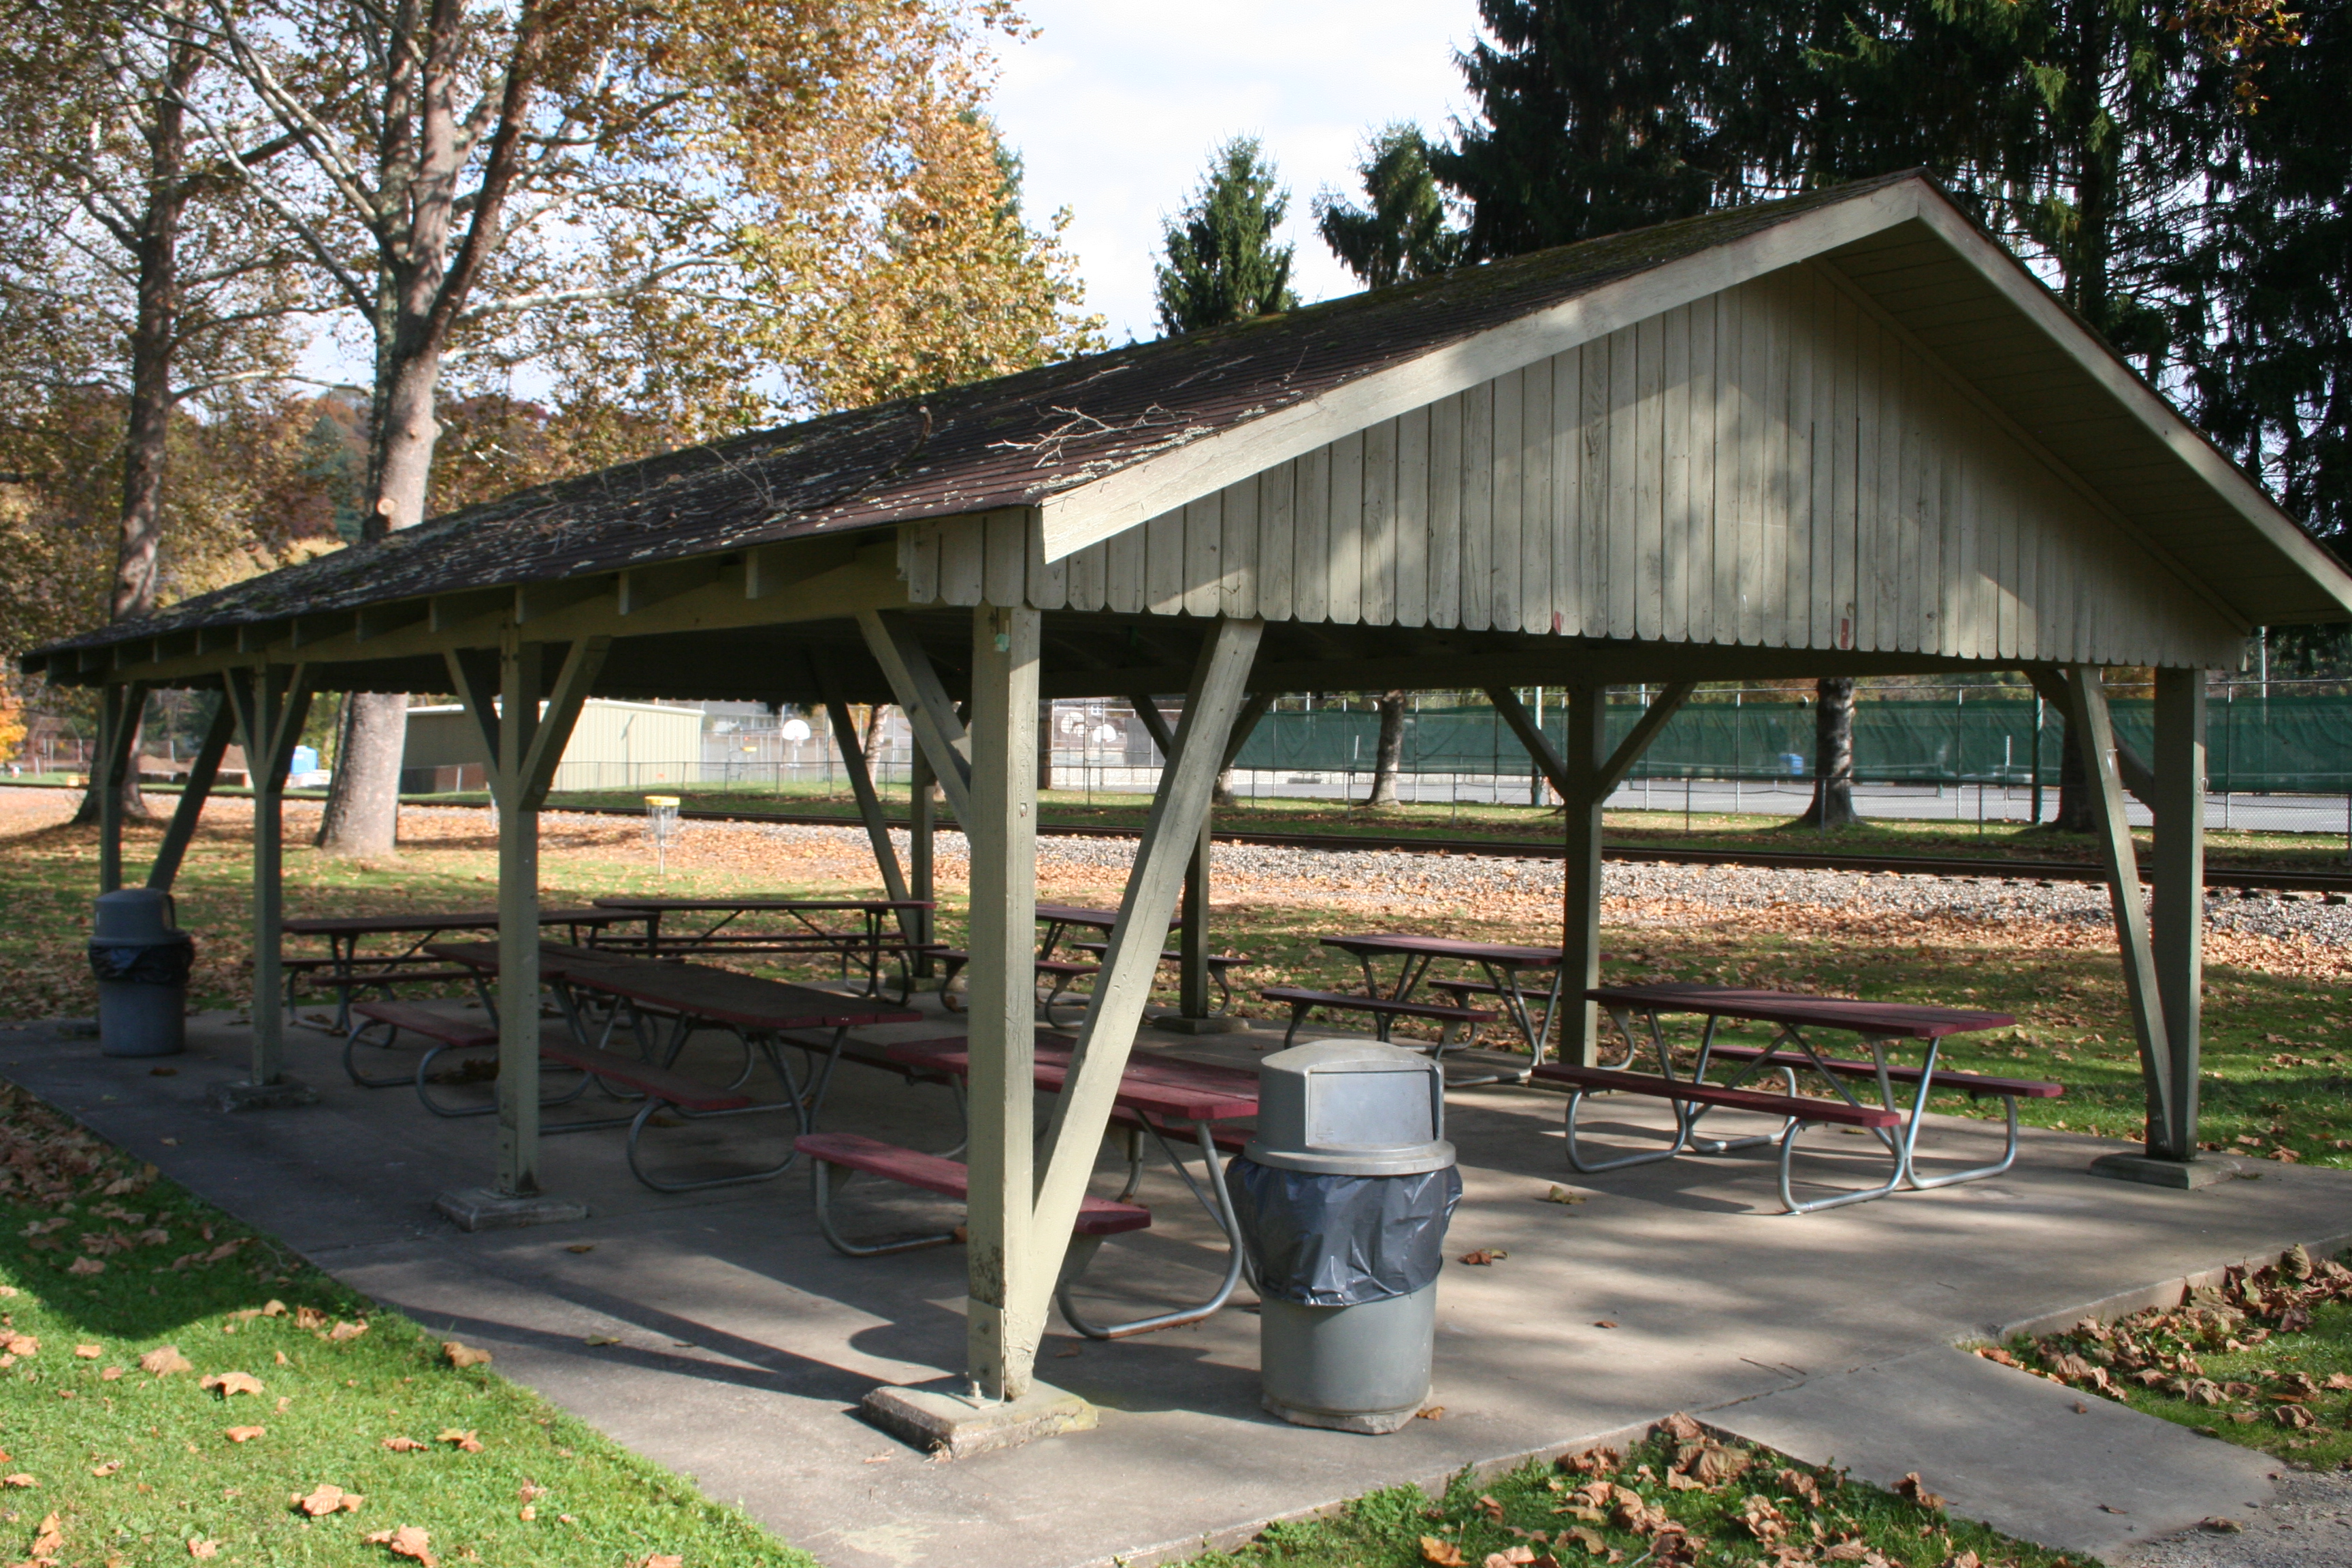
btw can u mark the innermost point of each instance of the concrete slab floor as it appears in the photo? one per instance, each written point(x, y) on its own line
point(744, 1344)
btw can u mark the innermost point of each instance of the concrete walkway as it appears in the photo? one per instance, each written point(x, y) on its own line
point(744, 1343)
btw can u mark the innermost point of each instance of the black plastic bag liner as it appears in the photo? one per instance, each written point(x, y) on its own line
point(143, 962)
point(1341, 1241)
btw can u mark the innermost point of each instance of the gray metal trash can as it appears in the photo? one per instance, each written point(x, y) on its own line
point(1343, 1197)
point(142, 960)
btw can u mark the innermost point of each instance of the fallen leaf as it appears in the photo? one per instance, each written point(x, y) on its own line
point(1509, 1557)
point(245, 1433)
point(603, 1340)
point(1604, 1323)
point(1485, 1255)
point(325, 1499)
point(2220, 1526)
point(275, 1308)
point(1590, 1540)
point(310, 1320)
point(662, 1560)
point(1912, 1487)
point(406, 1542)
point(463, 1442)
point(582, 1247)
point(86, 1266)
point(342, 1332)
point(1490, 1507)
point(110, 1375)
point(1677, 1481)
point(107, 1468)
point(199, 1547)
point(52, 1537)
point(165, 1359)
point(462, 1355)
point(88, 1352)
point(1562, 1196)
point(404, 1445)
point(232, 1383)
point(281, 1358)
point(2110, 1508)
point(1443, 1553)
point(18, 1479)
point(1964, 1560)
point(1430, 1413)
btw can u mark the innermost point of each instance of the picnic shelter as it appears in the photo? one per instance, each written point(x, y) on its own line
point(1843, 434)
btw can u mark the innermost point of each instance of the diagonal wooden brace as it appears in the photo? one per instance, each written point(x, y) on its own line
point(925, 702)
point(1082, 1111)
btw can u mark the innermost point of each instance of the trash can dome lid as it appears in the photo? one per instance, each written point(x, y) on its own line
point(131, 913)
point(1356, 1108)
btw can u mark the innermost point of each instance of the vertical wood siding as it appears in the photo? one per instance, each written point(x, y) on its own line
point(1769, 466)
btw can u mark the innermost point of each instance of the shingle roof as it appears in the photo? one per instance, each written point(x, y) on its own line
point(1011, 441)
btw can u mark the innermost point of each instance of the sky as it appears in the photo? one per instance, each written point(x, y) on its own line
point(1116, 106)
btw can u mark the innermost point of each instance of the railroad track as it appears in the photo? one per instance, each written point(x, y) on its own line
point(2219, 878)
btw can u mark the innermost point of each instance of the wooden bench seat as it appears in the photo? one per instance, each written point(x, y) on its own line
point(1220, 968)
point(1301, 1001)
point(1796, 1108)
point(450, 1029)
point(1060, 971)
point(854, 1151)
point(1981, 1085)
point(665, 1085)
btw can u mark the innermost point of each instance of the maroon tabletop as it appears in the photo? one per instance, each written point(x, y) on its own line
point(1893, 1019)
point(1074, 915)
point(1448, 947)
point(1186, 1092)
point(468, 919)
point(723, 996)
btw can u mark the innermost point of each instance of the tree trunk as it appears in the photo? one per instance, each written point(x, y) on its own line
point(2074, 787)
point(1832, 806)
point(154, 333)
point(363, 813)
point(1388, 754)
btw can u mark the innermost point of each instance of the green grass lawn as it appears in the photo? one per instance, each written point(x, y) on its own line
point(1680, 1496)
point(2263, 1360)
point(170, 1382)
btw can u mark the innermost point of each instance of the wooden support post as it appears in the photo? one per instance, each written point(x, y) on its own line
point(861, 786)
point(1170, 834)
point(523, 745)
point(1580, 926)
point(119, 711)
point(922, 832)
point(2177, 933)
point(2086, 711)
point(1005, 1315)
point(1585, 779)
point(1192, 943)
point(202, 772)
point(924, 700)
point(271, 702)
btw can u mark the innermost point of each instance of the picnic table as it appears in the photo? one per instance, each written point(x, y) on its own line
point(1059, 920)
point(347, 969)
point(765, 1015)
point(1883, 1027)
point(866, 943)
point(1504, 965)
point(1157, 1099)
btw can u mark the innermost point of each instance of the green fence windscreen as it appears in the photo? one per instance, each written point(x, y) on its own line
point(2286, 744)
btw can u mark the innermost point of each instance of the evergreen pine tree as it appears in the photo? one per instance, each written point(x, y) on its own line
point(1222, 264)
point(1404, 231)
point(1592, 120)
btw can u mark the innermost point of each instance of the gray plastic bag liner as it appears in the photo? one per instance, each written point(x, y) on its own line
point(1341, 1241)
point(143, 962)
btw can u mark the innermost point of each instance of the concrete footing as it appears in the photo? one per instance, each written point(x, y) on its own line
point(486, 1208)
point(2180, 1174)
point(246, 1096)
point(941, 1419)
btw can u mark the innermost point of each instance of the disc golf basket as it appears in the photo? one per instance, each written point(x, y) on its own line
point(663, 826)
